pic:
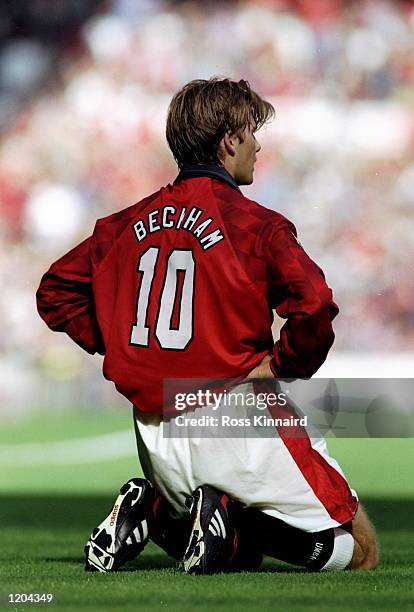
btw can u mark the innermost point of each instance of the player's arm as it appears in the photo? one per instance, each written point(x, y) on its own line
point(65, 299)
point(299, 293)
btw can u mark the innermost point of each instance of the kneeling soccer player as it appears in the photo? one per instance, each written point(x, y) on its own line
point(183, 285)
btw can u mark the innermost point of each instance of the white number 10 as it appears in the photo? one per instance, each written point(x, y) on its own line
point(168, 337)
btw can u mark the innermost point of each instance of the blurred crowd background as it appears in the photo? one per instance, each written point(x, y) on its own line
point(84, 90)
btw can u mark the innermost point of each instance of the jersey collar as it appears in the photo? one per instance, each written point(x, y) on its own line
point(212, 171)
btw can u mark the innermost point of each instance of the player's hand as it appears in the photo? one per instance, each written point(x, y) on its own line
point(263, 369)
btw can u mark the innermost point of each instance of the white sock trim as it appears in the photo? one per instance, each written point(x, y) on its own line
point(342, 552)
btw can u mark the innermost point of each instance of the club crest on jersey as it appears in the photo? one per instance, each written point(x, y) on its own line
point(191, 220)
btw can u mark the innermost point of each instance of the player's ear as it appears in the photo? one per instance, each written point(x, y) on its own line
point(228, 144)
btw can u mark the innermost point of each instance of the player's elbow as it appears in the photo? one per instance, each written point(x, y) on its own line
point(324, 334)
point(325, 337)
point(323, 308)
point(322, 300)
point(46, 298)
point(42, 301)
point(317, 336)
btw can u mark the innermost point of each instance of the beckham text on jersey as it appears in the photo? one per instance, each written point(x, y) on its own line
point(192, 220)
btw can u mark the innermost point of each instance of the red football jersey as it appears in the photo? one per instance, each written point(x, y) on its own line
point(182, 285)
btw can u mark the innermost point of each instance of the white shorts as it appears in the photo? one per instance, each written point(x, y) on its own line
point(291, 478)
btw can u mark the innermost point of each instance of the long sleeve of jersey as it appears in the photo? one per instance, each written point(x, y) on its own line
point(65, 299)
point(299, 293)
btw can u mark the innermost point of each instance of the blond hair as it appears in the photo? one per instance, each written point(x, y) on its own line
point(204, 110)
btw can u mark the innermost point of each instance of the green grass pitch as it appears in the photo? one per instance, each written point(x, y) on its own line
point(48, 509)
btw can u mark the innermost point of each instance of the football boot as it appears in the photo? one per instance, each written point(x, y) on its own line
point(125, 531)
point(213, 538)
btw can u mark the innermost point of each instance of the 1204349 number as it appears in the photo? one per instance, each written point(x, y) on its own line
point(30, 597)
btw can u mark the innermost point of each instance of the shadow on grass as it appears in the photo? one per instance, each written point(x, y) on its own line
point(71, 518)
point(156, 562)
point(78, 512)
point(146, 562)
